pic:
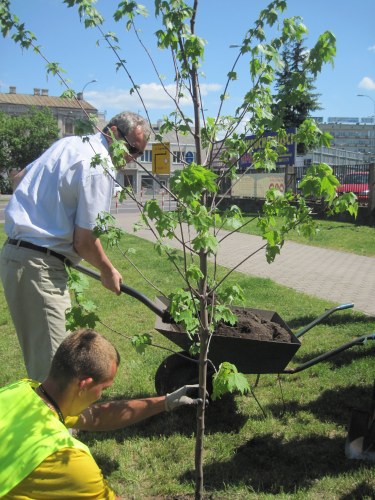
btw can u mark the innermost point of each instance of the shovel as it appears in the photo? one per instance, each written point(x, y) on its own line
point(164, 314)
point(360, 442)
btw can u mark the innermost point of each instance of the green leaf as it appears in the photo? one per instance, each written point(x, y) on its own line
point(224, 313)
point(194, 349)
point(88, 305)
point(141, 341)
point(76, 317)
point(207, 242)
point(231, 294)
point(77, 282)
point(118, 150)
point(227, 379)
point(191, 182)
point(193, 273)
point(105, 226)
point(96, 160)
point(183, 309)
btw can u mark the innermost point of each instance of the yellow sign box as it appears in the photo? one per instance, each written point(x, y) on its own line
point(161, 158)
point(257, 185)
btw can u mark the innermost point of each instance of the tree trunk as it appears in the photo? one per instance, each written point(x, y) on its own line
point(199, 441)
point(204, 336)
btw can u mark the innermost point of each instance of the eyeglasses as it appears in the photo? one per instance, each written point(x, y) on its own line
point(131, 149)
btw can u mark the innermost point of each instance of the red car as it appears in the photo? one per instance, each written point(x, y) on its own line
point(357, 183)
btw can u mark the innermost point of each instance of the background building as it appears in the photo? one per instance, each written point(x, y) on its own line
point(332, 156)
point(66, 111)
point(182, 151)
point(352, 134)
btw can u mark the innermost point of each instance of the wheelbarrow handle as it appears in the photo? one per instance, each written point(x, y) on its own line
point(330, 354)
point(327, 313)
point(163, 314)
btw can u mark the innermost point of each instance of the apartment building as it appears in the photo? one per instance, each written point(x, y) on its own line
point(352, 134)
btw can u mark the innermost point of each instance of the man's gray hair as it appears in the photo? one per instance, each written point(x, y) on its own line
point(127, 121)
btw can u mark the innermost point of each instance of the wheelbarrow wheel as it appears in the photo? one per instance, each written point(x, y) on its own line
point(176, 371)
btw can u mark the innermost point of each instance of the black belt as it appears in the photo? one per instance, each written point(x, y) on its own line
point(27, 244)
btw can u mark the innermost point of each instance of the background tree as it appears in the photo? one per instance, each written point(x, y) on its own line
point(23, 138)
point(295, 98)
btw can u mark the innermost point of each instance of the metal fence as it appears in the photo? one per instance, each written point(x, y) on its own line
point(352, 178)
point(340, 171)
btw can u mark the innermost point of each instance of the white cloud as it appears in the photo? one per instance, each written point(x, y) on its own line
point(153, 95)
point(367, 83)
point(372, 48)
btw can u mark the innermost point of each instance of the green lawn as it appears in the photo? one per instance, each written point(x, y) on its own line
point(343, 236)
point(294, 451)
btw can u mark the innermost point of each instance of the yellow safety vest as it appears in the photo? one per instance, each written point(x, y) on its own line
point(29, 433)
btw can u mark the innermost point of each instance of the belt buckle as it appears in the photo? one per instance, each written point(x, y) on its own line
point(14, 242)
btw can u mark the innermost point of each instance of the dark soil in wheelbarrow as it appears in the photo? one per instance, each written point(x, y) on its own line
point(252, 326)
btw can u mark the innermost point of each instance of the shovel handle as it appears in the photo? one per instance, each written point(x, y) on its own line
point(163, 314)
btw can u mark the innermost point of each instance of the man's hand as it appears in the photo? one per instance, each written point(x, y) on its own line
point(112, 280)
point(88, 246)
point(186, 395)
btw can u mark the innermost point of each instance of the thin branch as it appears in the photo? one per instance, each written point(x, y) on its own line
point(234, 230)
point(139, 271)
point(237, 266)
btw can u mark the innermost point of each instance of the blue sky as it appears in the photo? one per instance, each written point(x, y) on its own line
point(63, 39)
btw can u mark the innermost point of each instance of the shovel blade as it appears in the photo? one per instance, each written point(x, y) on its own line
point(360, 442)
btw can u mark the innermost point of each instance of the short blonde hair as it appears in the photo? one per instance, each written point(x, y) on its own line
point(82, 354)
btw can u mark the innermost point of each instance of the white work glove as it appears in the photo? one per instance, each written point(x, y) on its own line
point(186, 395)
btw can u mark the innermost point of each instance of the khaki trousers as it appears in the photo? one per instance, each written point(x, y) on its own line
point(35, 288)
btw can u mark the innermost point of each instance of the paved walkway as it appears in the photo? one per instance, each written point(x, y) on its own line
point(336, 276)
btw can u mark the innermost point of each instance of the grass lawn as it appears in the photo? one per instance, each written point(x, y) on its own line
point(343, 236)
point(290, 448)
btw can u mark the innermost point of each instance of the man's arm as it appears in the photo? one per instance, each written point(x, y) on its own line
point(17, 178)
point(115, 415)
point(88, 246)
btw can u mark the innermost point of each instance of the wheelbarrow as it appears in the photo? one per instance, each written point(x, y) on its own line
point(250, 356)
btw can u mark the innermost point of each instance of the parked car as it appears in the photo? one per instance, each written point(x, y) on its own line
point(116, 189)
point(357, 183)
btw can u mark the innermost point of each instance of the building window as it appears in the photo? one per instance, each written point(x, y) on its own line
point(178, 156)
point(147, 184)
point(69, 128)
point(147, 156)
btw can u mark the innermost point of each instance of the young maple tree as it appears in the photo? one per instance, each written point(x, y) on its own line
point(206, 298)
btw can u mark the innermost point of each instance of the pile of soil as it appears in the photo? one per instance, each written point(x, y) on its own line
point(252, 326)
